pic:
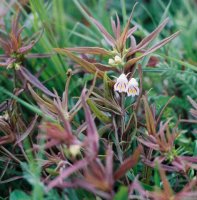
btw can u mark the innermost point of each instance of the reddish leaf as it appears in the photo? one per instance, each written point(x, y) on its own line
point(106, 35)
point(93, 138)
point(128, 164)
point(89, 50)
point(34, 81)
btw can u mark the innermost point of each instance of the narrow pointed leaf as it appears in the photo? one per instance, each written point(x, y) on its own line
point(150, 122)
point(122, 40)
point(89, 50)
point(34, 81)
point(89, 67)
point(28, 131)
point(128, 164)
point(93, 138)
point(152, 35)
point(151, 50)
point(106, 35)
point(41, 101)
point(99, 114)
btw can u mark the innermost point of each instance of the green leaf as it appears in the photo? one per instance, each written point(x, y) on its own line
point(99, 114)
point(122, 193)
point(19, 195)
point(156, 176)
point(107, 89)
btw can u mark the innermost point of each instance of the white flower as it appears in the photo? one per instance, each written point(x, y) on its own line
point(121, 83)
point(111, 61)
point(132, 88)
point(117, 59)
point(17, 66)
point(74, 149)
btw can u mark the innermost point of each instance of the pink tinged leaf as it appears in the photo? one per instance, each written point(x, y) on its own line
point(66, 123)
point(189, 187)
point(57, 132)
point(89, 67)
point(113, 25)
point(67, 172)
point(150, 121)
point(105, 68)
point(15, 25)
point(109, 166)
point(109, 39)
point(3, 56)
point(84, 184)
point(4, 44)
point(89, 50)
point(28, 131)
point(180, 166)
point(118, 30)
point(149, 144)
point(18, 33)
point(49, 144)
point(7, 62)
point(3, 64)
point(93, 138)
point(131, 31)
point(151, 50)
point(152, 35)
point(39, 55)
point(14, 43)
point(136, 186)
point(34, 81)
point(152, 164)
point(41, 102)
point(194, 104)
point(192, 159)
point(128, 164)
point(25, 49)
point(162, 43)
point(167, 188)
point(122, 39)
point(116, 26)
point(149, 38)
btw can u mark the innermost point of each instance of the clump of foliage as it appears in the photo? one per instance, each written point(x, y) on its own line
point(104, 136)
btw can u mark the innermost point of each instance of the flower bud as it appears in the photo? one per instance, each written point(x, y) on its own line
point(17, 66)
point(74, 149)
point(111, 61)
point(118, 59)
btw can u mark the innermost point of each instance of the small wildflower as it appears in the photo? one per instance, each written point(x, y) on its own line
point(17, 66)
point(111, 61)
point(5, 116)
point(132, 89)
point(10, 66)
point(74, 149)
point(121, 83)
point(118, 59)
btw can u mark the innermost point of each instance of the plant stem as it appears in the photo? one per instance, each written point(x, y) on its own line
point(122, 115)
point(117, 143)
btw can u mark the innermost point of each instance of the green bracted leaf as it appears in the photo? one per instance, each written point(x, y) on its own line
point(99, 114)
point(107, 90)
point(156, 176)
point(19, 195)
point(52, 172)
point(122, 193)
